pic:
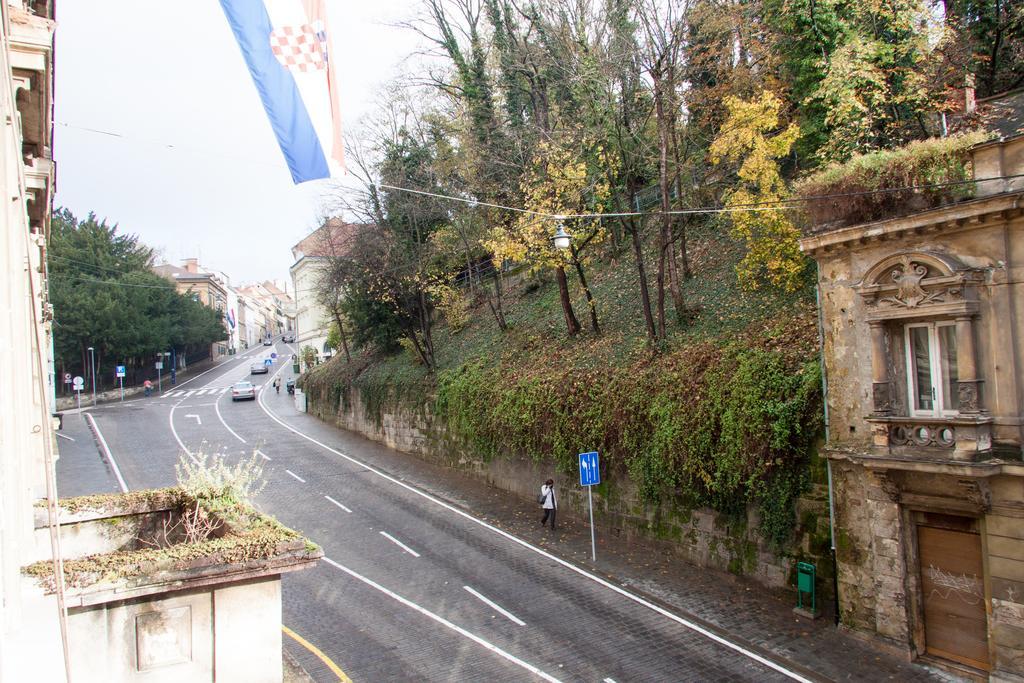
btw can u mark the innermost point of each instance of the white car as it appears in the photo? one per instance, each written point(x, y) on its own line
point(243, 390)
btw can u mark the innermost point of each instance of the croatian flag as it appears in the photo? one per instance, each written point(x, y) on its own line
point(286, 45)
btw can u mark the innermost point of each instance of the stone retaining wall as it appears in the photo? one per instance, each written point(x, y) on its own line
point(700, 536)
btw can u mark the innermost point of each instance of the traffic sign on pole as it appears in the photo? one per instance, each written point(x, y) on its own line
point(590, 474)
point(268, 361)
point(67, 378)
point(119, 370)
point(78, 385)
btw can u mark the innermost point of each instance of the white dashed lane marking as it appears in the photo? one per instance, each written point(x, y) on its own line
point(337, 503)
point(505, 613)
point(399, 544)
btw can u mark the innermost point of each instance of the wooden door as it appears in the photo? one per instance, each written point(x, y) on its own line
point(953, 594)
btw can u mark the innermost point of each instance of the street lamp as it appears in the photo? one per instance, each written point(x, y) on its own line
point(92, 369)
point(562, 239)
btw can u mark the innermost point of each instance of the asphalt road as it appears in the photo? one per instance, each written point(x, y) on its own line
point(413, 587)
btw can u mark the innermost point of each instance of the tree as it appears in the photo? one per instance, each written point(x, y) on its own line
point(105, 296)
point(773, 253)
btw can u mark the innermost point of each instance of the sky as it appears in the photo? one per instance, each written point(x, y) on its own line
point(159, 129)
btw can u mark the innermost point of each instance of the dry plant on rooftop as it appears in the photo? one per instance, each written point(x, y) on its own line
point(209, 477)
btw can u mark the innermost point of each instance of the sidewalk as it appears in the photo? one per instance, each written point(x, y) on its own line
point(69, 403)
point(738, 609)
point(81, 469)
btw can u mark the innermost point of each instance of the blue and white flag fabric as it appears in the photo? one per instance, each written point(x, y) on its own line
point(287, 46)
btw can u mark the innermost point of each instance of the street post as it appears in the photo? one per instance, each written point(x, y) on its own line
point(590, 474)
point(120, 378)
point(78, 385)
point(92, 372)
point(159, 372)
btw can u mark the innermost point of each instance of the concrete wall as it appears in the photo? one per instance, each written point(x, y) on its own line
point(698, 536)
point(229, 633)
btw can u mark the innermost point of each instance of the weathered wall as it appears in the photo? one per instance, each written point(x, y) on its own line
point(996, 249)
point(699, 536)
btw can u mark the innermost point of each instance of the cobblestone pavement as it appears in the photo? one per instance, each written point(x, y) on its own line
point(740, 609)
point(575, 628)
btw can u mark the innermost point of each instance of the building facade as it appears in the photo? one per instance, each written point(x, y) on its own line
point(205, 287)
point(923, 333)
point(311, 254)
point(30, 642)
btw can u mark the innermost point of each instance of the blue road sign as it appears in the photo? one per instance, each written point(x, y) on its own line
point(119, 370)
point(268, 361)
point(590, 473)
point(273, 355)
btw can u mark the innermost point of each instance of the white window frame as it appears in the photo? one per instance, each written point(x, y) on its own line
point(939, 398)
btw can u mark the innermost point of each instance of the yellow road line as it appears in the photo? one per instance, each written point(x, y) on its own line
point(316, 651)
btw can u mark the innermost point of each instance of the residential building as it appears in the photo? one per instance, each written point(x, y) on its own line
point(311, 254)
point(922, 319)
point(30, 633)
point(206, 287)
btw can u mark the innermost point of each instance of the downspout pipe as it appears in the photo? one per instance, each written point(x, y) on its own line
point(828, 462)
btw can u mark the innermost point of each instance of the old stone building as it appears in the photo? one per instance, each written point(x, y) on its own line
point(923, 354)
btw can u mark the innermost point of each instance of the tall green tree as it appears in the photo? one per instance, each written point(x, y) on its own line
point(105, 296)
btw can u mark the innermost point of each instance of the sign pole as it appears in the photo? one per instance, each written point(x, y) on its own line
point(590, 475)
point(78, 395)
point(121, 380)
point(593, 543)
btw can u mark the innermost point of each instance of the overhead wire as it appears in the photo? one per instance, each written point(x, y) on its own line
point(769, 205)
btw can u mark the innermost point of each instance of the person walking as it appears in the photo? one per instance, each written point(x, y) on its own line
point(148, 386)
point(550, 504)
point(277, 384)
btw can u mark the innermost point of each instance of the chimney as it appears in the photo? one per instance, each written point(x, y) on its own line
point(970, 105)
point(191, 265)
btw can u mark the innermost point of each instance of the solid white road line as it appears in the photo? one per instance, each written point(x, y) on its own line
point(513, 618)
point(170, 421)
point(216, 409)
point(337, 503)
point(686, 623)
point(263, 455)
point(608, 680)
point(399, 544)
point(444, 622)
point(296, 476)
point(64, 436)
point(198, 421)
point(106, 452)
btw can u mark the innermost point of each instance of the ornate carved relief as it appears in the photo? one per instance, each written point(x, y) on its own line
point(910, 281)
point(882, 398)
point(977, 492)
point(908, 276)
point(967, 394)
point(923, 435)
point(891, 488)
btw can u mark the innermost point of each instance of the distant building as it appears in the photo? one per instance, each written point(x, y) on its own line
point(205, 287)
point(312, 320)
point(922, 319)
point(30, 639)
